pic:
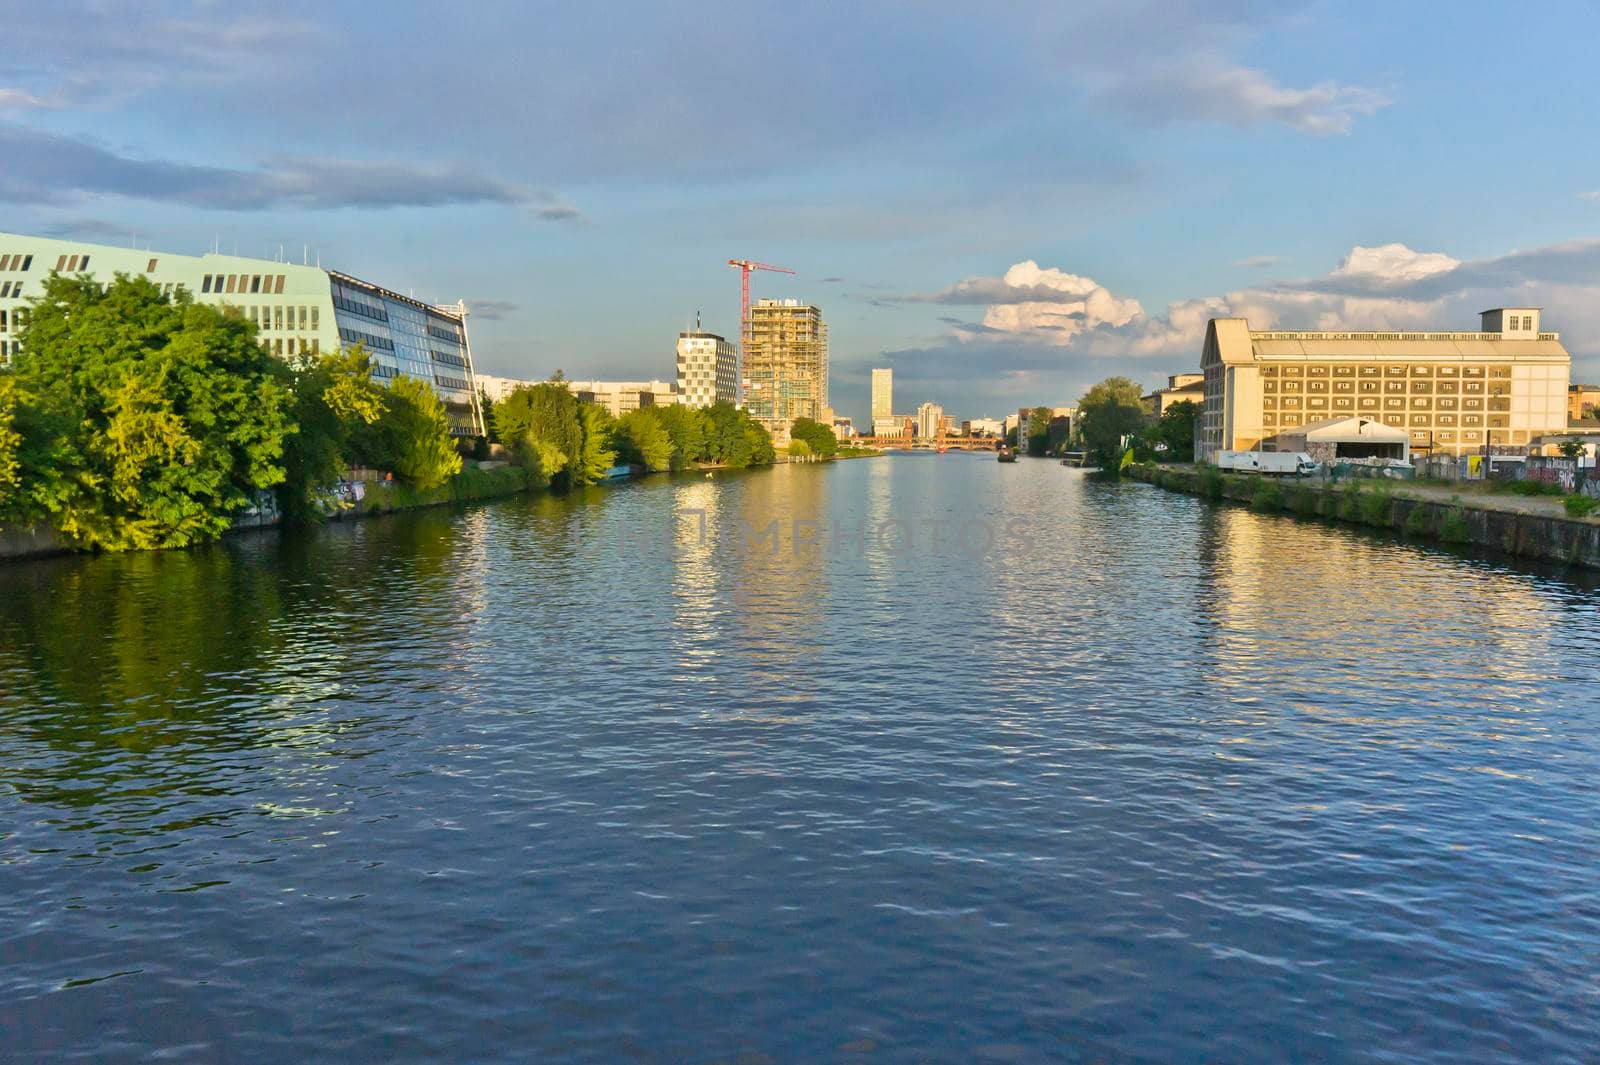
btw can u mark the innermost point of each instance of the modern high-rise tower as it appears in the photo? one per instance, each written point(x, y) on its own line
point(882, 394)
point(785, 364)
point(708, 369)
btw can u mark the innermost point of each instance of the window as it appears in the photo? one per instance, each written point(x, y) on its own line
point(279, 289)
point(83, 265)
point(255, 283)
point(314, 321)
point(231, 279)
point(277, 317)
point(291, 345)
point(302, 317)
point(61, 264)
point(150, 268)
point(27, 261)
point(205, 283)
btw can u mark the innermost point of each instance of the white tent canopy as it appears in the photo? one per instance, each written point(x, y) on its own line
point(1349, 438)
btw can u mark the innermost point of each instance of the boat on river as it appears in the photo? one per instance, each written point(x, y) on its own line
point(1005, 454)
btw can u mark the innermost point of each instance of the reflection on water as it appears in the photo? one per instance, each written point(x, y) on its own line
point(1136, 779)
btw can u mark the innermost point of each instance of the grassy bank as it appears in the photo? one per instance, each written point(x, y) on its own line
point(1423, 512)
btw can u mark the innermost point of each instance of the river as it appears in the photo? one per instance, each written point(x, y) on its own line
point(958, 761)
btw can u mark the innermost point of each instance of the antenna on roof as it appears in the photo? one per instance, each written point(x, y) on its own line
point(305, 255)
point(697, 320)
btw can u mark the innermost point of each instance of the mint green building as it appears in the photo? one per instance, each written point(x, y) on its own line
point(298, 309)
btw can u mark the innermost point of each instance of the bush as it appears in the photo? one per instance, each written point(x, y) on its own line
point(1211, 483)
point(1580, 506)
point(1349, 507)
point(1374, 506)
point(1267, 497)
point(1303, 499)
point(1416, 523)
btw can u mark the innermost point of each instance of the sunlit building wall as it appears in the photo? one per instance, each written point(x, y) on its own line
point(1455, 393)
point(298, 310)
point(785, 364)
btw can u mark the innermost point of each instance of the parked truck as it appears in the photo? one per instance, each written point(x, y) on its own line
point(1278, 463)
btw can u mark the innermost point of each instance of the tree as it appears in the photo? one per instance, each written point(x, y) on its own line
point(1108, 414)
point(598, 453)
point(686, 427)
point(10, 467)
point(539, 423)
point(1175, 429)
point(417, 431)
point(818, 437)
point(486, 405)
point(1572, 449)
point(143, 420)
point(799, 449)
point(1038, 442)
point(642, 438)
point(334, 399)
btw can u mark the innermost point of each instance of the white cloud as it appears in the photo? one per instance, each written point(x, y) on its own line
point(1394, 263)
point(1212, 89)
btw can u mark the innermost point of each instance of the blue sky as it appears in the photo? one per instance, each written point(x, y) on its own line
point(1004, 202)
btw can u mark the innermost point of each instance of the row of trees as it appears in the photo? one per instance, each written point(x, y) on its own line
point(132, 419)
point(565, 442)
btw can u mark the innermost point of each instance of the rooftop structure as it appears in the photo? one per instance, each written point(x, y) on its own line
point(298, 310)
point(1181, 388)
point(1454, 393)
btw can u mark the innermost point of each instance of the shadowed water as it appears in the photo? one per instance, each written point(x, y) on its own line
point(1051, 771)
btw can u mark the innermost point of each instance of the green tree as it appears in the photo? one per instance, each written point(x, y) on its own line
point(818, 437)
point(1108, 414)
point(686, 426)
point(1174, 429)
point(416, 431)
point(758, 447)
point(539, 423)
point(487, 406)
point(1572, 449)
point(1038, 442)
point(641, 437)
point(598, 453)
point(10, 467)
point(334, 399)
point(799, 449)
point(145, 420)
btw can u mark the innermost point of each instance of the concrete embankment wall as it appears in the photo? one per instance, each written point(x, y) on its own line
point(1375, 504)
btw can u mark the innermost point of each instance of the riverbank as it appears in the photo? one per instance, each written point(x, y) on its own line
point(373, 496)
point(1524, 527)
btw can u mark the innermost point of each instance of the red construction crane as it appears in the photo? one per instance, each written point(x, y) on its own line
point(746, 267)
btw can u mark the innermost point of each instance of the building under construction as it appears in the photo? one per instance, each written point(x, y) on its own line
point(785, 364)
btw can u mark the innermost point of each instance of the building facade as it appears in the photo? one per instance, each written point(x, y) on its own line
point(298, 310)
point(708, 369)
point(1181, 387)
point(1454, 393)
point(882, 393)
point(620, 397)
point(930, 420)
point(1583, 402)
point(785, 364)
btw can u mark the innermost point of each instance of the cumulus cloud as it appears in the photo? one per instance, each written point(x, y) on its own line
point(1050, 315)
point(46, 168)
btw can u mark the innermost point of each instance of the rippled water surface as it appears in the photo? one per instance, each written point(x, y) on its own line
point(1051, 771)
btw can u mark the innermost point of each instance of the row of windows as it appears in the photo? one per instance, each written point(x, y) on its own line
point(442, 333)
point(450, 382)
point(365, 310)
point(18, 318)
point(10, 289)
point(1401, 421)
point(384, 372)
point(279, 319)
point(356, 336)
point(1416, 387)
point(71, 264)
point(293, 345)
point(267, 284)
point(1388, 403)
point(18, 262)
point(448, 359)
point(1512, 326)
point(1413, 370)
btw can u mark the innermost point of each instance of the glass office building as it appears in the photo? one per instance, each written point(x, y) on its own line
point(298, 310)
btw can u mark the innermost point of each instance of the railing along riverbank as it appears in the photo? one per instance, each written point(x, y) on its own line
point(1412, 511)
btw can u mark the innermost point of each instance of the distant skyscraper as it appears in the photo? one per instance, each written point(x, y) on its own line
point(882, 394)
point(708, 369)
point(930, 417)
point(785, 364)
